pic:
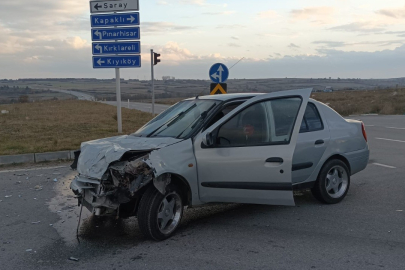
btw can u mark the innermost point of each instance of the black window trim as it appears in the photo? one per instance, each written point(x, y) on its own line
point(215, 132)
point(320, 118)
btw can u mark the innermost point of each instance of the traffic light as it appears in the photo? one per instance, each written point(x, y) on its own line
point(156, 58)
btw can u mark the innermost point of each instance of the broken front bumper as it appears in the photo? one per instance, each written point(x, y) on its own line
point(88, 192)
point(120, 185)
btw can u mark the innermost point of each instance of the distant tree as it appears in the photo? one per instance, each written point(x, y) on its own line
point(23, 99)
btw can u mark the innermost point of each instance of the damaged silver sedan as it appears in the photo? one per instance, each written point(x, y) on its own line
point(238, 148)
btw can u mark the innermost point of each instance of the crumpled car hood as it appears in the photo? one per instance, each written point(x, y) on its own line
point(96, 156)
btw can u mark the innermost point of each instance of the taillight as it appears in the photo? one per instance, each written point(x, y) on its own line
point(363, 129)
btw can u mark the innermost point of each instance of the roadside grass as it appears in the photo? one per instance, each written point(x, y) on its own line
point(351, 102)
point(365, 102)
point(61, 125)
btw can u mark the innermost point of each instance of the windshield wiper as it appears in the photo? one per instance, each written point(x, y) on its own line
point(200, 118)
point(173, 121)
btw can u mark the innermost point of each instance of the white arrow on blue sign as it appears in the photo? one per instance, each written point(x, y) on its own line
point(119, 19)
point(219, 73)
point(123, 33)
point(104, 48)
point(128, 61)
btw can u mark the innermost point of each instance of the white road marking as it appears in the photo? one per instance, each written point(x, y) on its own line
point(386, 166)
point(384, 139)
point(33, 169)
point(369, 125)
point(395, 128)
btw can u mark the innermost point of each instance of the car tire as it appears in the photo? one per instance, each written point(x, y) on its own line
point(160, 215)
point(333, 182)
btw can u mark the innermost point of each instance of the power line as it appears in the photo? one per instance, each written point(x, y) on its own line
point(236, 63)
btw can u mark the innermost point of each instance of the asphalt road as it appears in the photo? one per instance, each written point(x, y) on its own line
point(144, 107)
point(79, 95)
point(365, 231)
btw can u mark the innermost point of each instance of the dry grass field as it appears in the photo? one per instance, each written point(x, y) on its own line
point(351, 102)
point(61, 125)
point(64, 125)
point(365, 102)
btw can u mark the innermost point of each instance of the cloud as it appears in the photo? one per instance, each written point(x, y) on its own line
point(362, 27)
point(293, 46)
point(234, 45)
point(220, 13)
point(340, 44)
point(331, 44)
point(230, 26)
point(193, 2)
point(268, 14)
point(398, 33)
point(393, 13)
point(316, 14)
point(153, 27)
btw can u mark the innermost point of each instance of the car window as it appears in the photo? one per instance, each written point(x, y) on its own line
point(312, 120)
point(226, 109)
point(268, 122)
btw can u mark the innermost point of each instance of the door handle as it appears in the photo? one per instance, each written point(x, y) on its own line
point(275, 160)
point(318, 142)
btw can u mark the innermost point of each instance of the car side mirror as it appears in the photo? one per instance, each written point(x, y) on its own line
point(208, 139)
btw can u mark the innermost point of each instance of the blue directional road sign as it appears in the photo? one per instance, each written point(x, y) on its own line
point(119, 19)
point(103, 48)
point(128, 61)
point(219, 73)
point(123, 33)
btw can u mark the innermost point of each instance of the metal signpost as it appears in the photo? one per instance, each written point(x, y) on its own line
point(115, 27)
point(219, 74)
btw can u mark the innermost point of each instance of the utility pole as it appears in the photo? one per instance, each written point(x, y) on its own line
point(154, 59)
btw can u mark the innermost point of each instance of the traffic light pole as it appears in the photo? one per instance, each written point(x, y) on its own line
point(153, 81)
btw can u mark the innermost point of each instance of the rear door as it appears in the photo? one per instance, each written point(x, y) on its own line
point(251, 158)
point(312, 142)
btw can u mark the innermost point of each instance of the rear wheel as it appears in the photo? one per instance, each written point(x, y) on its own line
point(333, 182)
point(160, 215)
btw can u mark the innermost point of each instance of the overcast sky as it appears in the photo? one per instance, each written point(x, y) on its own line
point(290, 38)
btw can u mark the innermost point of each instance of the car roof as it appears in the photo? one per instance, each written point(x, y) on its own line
point(228, 96)
point(236, 96)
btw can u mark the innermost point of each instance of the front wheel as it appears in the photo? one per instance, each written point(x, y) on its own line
point(333, 182)
point(159, 215)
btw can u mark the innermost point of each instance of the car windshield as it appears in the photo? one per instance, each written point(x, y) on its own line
point(179, 120)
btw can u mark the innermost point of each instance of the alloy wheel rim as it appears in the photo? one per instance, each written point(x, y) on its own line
point(336, 182)
point(169, 213)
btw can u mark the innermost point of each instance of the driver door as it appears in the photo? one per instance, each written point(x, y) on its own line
point(246, 157)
